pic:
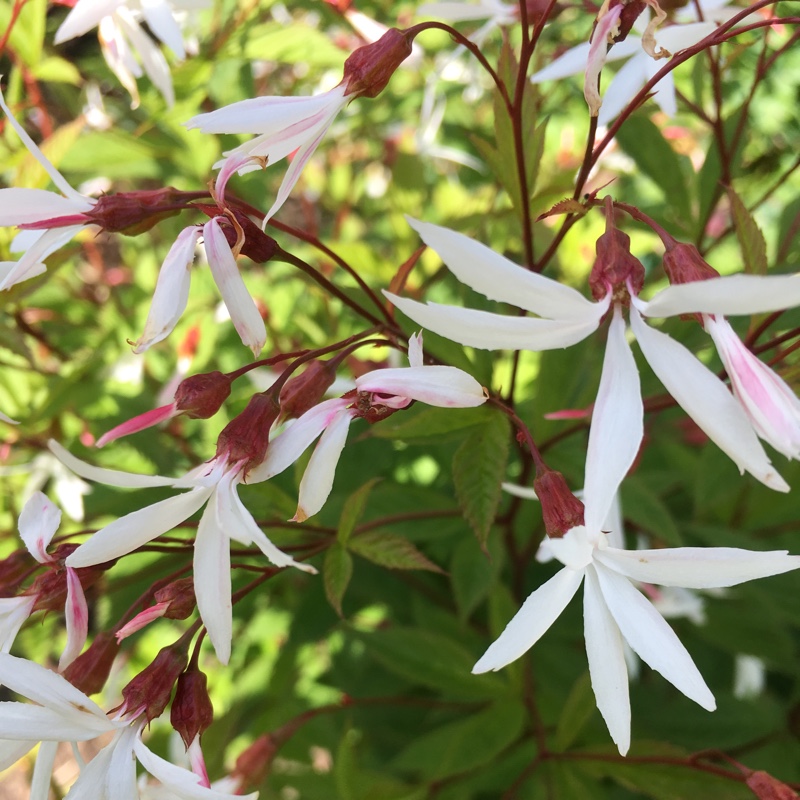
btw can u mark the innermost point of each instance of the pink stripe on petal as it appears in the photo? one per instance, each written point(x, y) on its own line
point(597, 58)
point(141, 619)
point(77, 616)
point(140, 423)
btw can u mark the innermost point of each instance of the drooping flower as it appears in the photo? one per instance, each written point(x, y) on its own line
point(615, 611)
point(61, 713)
point(566, 317)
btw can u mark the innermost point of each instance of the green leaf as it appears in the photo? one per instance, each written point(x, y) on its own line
point(751, 239)
point(337, 571)
point(473, 572)
point(645, 509)
point(391, 551)
point(57, 70)
point(463, 745)
point(422, 422)
point(479, 467)
point(345, 772)
point(578, 710)
point(353, 509)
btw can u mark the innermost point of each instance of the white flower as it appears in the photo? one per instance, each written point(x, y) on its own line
point(69, 489)
point(615, 611)
point(566, 317)
point(61, 713)
point(50, 219)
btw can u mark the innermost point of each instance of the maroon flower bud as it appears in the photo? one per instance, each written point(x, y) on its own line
point(631, 10)
point(304, 391)
point(13, 571)
point(132, 213)
point(684, 264)
point(149, 692)
point(765, 787)
point(89, 671)
point(201, 396)
point(561, 510)
point(179, 597)
point(191, 711)
point(254, 763)
point(246, 437)
point(367, 409)
point(369, 68)
point(257, 245)
point(615, 266)
point(50, 588)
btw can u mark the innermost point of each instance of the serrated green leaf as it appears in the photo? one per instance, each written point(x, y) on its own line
point(463, 745)
point(751, 239)
point(424, 422)
point(336, 572)
point(391, 551)
point(353, 509)
point(473, 572)
point(479, 467)
point(577, 711)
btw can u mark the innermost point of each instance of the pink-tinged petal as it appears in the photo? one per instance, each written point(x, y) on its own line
point(43, 771)
point(624, 87)
point(182, 782)
point(130, 532)
point(38, 523)
point(732, 294)
point(537, 614)
point(142, 619)
point(487, 331)
point(110, 477)
point(237, 299)
point(265, 115)
point(58, 179)
point(617, 426)
point(317, 480)
point(415, 355)
point(286, 448)
point(197, 761)
point(697, 567)
point(606, 27)
point(77, 618)
point(607, 668)
point(159, 18)
point(446, 387)
point(49, 689)
point(26, 206)
point(172, 290)
point(706, 399)
point(13, 613)
point(140, 423)
point(651, 637)
point(85, 15)
point(212, 581)
point(494, 276)
point(768, 401)
point(30, 264)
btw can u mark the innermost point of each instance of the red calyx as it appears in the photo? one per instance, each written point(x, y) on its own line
point(180, 597)
point(684, 264)
point(201, 396)
point(631, 10)
point(246, 437)
point(561, 510)
point(89, 671)
point(369, 68)
point(135, 212)
point(149, 692)
point(192, 712)
point(615, 266)
point(253, 764)
point(304, 391)
point(257, 245)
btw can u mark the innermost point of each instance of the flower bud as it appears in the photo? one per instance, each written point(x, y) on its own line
point(304, 391)
point(561, 510)
point(89, 671)
point(50, 588)
point(133, 213)
point(179, 598)
point(257, 245)
point(615, 267)
point(149, 692)
point(192, 711)
point(253, 764)
point(631, 11)
point(684, 264)
point(246, 437)
point(201, 396)
point(369, 68)
point(13, 571)
point(765, 787)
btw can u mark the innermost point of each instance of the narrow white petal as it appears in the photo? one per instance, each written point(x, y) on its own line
point(607, 668)
point(159, 18)
point(664, 89)
point(707, 401)
point(240, 305)
point(130, 532)
point(286, 448)
point(27, 722)
point(732, 294)
point(607, 25)
point(77, 619)
point(698, 567)
point(623, 87)
point(120, 777)
point(172, 290)
point(678, 37)
point(537, 614)
point(487, 331)
point(84, 16)
point(30, 265)
point(24, 206)
point(110, 477)
point(49, 689)
point(617, 426)
point(572, 62)
point(13, 613)
point(494, 276)
point(92, 782)
point(212, 581)
point(652, 638)
point(43, 771)
point(416, 356)
point(12, 751)
point(153, 61)
point(447, 387)
point(38, 522)
point(182, 782)
point(317, 480)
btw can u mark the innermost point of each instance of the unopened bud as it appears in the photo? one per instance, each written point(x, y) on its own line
point(631, 11)
point(684, 264)
point(133, 213)
point(50, 588)
point(246, 437)
point(149, 692)
point(561, 510)
point(615, 267)
point(254, 763)
point(179, 597)
point(765, 787)
point(201, 396)
point(13, 571)
point(369, 68)
point(257, 245)
point(89, 671)
point(304, 391)
point(191, 712)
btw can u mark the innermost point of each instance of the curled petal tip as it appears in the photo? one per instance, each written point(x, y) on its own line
point(299, 516)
